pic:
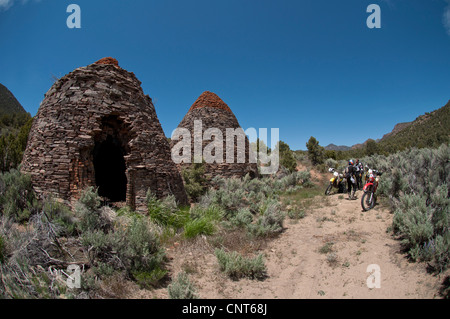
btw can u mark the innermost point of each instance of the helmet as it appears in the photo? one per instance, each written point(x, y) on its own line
point(330, 170)
point(350, 162)
point(336, 174)
point(370, 172)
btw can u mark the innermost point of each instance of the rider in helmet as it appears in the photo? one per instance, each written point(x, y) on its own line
point(359, 173)
point(350, 174)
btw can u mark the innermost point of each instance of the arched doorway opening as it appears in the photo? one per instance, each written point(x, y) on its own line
point(110, 169)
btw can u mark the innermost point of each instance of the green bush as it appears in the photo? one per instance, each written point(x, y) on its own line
point(417, 183)
point(61, 215)
point(253, 204)
point(287, 159)
point(134, 249)
point(2, 249)
point(243, 218)
point(199, 226)
point(236, 266)
point(17, 197)
point(296, 213)
point(130, 246)
point(269, 223)
point(195, 182)
point(87, 208)
point(140, 248)
point(412, 220)
point(182, 288)
point(203, 220)
point(31, 251)
point(236, 193)
point(212, 212)
point(149, 279)
point(165, 212)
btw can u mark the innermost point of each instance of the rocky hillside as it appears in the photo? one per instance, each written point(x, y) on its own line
point(428, 130)
point(397, 129)
point(12, 115)
point(8, 102)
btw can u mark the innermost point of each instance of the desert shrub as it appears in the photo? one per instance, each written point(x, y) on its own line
point(237, 266)
point(441, 251)
point(294, 179)
point(101, 246)
point(326, 248)
point(141, 250)
point(412, 220)
point(300, 156)
point(134, 249)
point(243, 218)
point(182, 288)
point(17, 197)
point(230, 195)
point(195, 182)
point(165, 212)
point(129, 246)
point(198, 226)
point(253, 204)
point(287, 159)
point(61, 215)
point(234, 193)
point(296, 213)
point(87, 208)
point(150, 279)
point(329, 162)
point(417, 183)
point(211, 212)
point(269, 223)
point(2, 249)
point(203, 220)
point(22, 281)
point(264, 224)
point(32, 251)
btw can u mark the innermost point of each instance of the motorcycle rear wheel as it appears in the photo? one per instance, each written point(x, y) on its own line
point(368, 201)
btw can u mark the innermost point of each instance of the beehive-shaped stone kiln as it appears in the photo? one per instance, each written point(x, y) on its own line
point(213, 113)
point(96, 127)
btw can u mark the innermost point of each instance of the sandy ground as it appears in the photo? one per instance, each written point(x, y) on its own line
point(298, 269)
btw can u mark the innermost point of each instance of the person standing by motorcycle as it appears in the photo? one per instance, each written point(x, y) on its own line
point(359, 173)
point(350, 175)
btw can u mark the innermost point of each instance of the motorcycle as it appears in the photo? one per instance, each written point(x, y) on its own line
point(337, 181)
point(369, 198)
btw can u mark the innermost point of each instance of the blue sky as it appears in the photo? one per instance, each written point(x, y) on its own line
point(307, 67)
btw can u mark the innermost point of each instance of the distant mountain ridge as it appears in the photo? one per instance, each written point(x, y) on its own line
point(333, 147)
point(8, 102)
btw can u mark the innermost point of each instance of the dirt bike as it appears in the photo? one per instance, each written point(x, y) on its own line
point(369, 198)
point(337, 181)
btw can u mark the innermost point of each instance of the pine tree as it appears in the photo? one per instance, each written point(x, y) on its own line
point(315, 151)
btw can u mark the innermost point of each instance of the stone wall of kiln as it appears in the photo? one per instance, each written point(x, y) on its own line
point(221, 118)
point(80, 110)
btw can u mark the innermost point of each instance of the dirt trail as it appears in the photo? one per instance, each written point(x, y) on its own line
point(298, 269)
